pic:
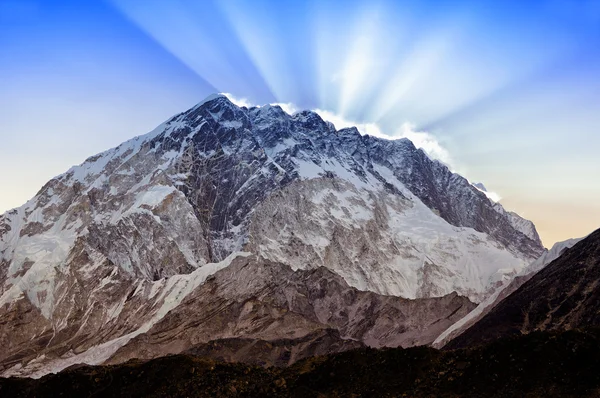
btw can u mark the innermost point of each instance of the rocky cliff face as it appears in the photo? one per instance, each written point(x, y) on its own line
point(105, 251)
point(266, 301)
point(562, 296)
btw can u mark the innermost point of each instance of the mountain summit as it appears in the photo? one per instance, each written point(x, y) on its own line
point(113, 249)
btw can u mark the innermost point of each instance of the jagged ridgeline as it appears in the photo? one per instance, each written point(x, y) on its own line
point(113, 253)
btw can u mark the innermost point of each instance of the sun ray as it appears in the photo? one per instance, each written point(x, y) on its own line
point(275, 49)
point(201, 39)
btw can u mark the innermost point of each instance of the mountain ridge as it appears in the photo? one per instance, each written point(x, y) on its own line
point(561, 296)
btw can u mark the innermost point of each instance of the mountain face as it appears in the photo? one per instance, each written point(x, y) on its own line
point(106, 254)
point(502, 292)
point(265, 301)
point(562, 296)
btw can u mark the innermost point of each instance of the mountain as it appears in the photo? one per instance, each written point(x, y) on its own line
point(107, 254)
point(480, 186)
point(561, 296)
point(502, 292)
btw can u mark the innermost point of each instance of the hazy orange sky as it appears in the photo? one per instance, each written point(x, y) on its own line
point(559, 221)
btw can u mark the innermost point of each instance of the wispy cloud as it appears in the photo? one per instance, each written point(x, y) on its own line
point(491, 195)
point(427, 142)
point(340, 122)
point(240, 101)
point(287, 107)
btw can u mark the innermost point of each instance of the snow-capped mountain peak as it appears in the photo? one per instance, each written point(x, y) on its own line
point(106, 237)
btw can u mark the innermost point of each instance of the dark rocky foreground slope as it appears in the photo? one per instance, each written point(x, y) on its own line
point(564, 295)
point(541, 364)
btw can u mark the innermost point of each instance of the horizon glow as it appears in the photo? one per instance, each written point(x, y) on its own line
point(505, 93)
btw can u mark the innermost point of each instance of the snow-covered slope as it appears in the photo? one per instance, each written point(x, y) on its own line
point(561, 296)
point(219, 179)
point(378, 240)
point(503, 291)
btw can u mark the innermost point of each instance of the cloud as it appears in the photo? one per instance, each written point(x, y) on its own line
point(491, 195)
point(340, 123)
point(238, 101)
point(425, 141)
point(287, 107)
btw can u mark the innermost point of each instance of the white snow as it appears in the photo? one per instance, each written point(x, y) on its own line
point(172, 293)
point(546, 258)
point(470, 262)
point(232, 124)
point(209, 98)
point(44, 252)
point(153, 196)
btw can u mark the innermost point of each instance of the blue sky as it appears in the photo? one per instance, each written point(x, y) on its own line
point(508, 92)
